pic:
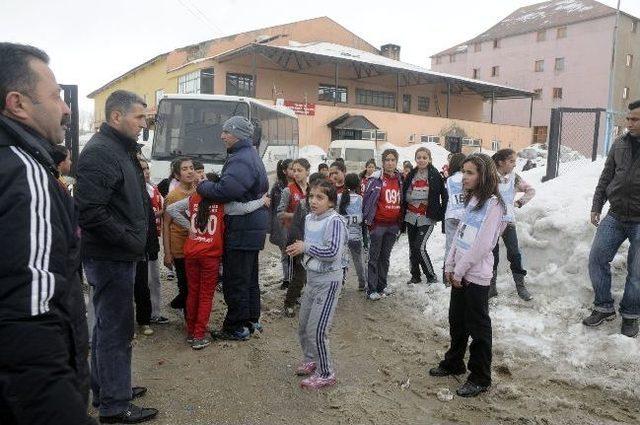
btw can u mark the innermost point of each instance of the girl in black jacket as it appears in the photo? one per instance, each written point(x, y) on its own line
point(423, 203)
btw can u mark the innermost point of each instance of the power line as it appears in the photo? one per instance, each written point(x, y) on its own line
point(200, 16)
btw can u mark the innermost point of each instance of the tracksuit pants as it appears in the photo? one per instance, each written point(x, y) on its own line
point(381, 241)
point(469, 317)
point(356, 250)
point(510, 239)
point(418, 256)
point(202, 275)
point(298, 280)
point(181, 277)
point(318, 305)
point(141, 294)
point(154, 288)
point(241, 289)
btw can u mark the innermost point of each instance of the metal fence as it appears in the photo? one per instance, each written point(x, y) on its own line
point(578, 136)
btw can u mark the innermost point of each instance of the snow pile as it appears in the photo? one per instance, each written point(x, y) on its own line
point(545, 334)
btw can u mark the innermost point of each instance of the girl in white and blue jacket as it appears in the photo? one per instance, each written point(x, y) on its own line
point(350, 207)
point(324, 249)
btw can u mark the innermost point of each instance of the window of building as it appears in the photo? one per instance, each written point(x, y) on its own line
point(559, 65)
point(538, 93)
point(541, 35)
point(477, 47)
point(540, 134)
point(476, 73)
point(159, 95)
point(495, 145)
point(198, 82)
point(561, 32)
point(495, 71)
point(496, 43)
point(629, 61)
point(557, 92)
point(452, 58)
point(406, 103)
point(423, 103)
point(189, 83)
point(325, 93)
point(438, 60)
point(239, 85)
point(634, 26)
point(625, 93)
point(382, 99)
point(539, 66)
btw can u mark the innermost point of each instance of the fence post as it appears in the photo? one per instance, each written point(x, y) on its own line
point(596, 135)
point(553, 147)
point(72, 135)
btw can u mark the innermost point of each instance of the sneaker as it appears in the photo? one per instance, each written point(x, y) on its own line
point(171, 275)
point(469, 389)
point(284, 284)
point(316, 382)
point(131, 415)
point(306, 369)
point(255, 327)
point(289, 312)
point(374, 296)
point(146, 330)
point(414, 280)
point(190, 340)
point(240, 335)
point(388, 291)
point(199, 344)
point(440, 371)
point(629, 327)
point(597, 317)
point(159, 320)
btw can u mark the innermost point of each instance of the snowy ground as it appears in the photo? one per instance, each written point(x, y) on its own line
point(555, 237)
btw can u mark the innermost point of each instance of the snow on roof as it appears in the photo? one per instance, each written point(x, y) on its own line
point(539, 16)
point(333, 51)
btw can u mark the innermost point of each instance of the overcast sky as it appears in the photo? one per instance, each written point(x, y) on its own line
point(91, 42)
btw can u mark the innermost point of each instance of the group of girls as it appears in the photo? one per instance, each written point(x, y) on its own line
point(475, 201)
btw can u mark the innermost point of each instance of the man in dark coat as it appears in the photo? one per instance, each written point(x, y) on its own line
point(243, 178)
point(113, 203)
point(43, 338)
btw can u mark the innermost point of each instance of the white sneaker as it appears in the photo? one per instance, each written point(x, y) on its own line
point(146, 330)
point(374, 296)
point(388, 291)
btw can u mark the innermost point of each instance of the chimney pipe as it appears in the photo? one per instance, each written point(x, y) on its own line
point(391, 51)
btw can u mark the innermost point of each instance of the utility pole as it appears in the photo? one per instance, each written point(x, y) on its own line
point(610, 109)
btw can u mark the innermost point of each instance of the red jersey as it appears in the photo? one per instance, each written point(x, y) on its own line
point(295, 196)
point(210, 242)
point(363, 185)
point(388, 208)
point(157, 204)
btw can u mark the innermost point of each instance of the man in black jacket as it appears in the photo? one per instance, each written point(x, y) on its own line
point(43, 341)
point(620, 185)
point(112, 201)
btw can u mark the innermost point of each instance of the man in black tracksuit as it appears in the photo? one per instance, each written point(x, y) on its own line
point(43, 339)
point(113, 203)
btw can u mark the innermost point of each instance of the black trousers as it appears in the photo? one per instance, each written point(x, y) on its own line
point(38, 383)
point(510, 239)
point(418, 256)
point(469, 317)
point(181, 277)
point(241, 290)
point(298, 279)
point(141, 294)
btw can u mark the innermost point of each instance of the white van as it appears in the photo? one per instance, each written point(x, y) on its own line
point(354, 152)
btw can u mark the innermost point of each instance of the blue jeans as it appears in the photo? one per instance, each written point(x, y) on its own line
point(112, 283)
point(610, 235)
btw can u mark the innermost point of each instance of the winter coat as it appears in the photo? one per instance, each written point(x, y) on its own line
point(112, 198)
point(437, 198)
point(243, 178)
point(620, 182)
point(371, 195)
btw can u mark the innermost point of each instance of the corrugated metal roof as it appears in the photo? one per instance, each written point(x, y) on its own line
point(554, 13)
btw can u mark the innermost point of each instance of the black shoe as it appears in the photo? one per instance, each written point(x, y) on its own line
point(132, 415)
point(469, 389)
point(597, 317)
point(177, 303)
point(137, 392)
point(414, 280)
point(241, 335)
point(159, 320)
point(284, 284)
point(629, 327)
point(441, 371)
point(255, 327)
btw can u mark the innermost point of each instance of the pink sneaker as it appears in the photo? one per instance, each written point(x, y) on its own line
point(315, 382)
point(306, 369)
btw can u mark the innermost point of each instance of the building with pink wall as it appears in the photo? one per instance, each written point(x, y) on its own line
point(560, 49)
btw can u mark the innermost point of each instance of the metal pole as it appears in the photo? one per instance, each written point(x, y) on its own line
point(609, 120)
point(253, 73)
point(553, 145)
point(397, 92)
point(335, 89)
point(493, 99)
point(531, 112)
point(72, 136)
point(448, 96)
point(596, 133)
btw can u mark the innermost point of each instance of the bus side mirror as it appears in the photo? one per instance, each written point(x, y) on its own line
point(145, 134)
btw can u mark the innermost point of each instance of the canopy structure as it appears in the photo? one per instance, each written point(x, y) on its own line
point(352, 122)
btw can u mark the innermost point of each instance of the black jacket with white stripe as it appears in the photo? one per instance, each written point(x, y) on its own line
point(38, 238)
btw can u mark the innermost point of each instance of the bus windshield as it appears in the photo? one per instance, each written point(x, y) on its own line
point(192, 127)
